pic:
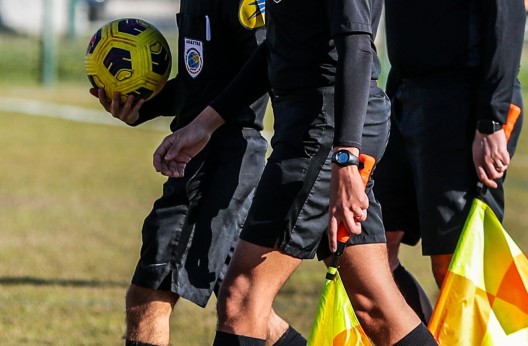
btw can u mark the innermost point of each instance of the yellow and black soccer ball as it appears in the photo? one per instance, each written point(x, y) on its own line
point(129, 56)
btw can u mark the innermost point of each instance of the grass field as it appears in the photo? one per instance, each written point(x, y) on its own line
point(73, 196)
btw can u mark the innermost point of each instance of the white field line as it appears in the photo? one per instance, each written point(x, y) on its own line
point(85, 115)
point(56, 110)
point(74, 113)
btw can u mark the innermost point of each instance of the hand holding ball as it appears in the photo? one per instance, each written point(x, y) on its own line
point(129, 56)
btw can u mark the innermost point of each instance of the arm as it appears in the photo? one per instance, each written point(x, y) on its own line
point(348, 201)
point(251, 82)
point(502, 43)
point(503, 33)
point(350, 27)
point(177, 149)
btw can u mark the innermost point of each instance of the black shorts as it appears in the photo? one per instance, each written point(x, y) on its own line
point(290, 208)
point(190, 234)
point(427, 181)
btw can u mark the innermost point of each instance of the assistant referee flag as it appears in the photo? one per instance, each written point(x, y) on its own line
point(484, 298)
point(336, 323)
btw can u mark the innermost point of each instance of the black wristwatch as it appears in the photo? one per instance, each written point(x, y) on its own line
point(345, 158)
point(488, 127)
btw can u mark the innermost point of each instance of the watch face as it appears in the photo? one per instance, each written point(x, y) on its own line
point(342, 157)
point(345, 158)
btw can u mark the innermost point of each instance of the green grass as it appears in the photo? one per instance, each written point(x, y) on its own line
point(72, 200)
point(73, 197)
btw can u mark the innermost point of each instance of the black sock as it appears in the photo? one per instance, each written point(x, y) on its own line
point(291, 337)
point(226, 339)
point(413, 293)
point(419, 336)
point(136, 343)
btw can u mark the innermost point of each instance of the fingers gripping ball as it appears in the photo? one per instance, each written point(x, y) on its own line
point(129, 56)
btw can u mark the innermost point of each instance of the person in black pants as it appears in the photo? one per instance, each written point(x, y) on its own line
point(319, 62)
point(454, 67)
point(189, 235)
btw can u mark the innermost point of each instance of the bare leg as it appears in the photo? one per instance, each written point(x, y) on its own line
point(440, 265)
point(148, 314)
point(379, 305)
point(254, 278)
point(393, 247)
point(410, 288)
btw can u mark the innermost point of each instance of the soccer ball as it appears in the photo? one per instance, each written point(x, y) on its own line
point(129, 56)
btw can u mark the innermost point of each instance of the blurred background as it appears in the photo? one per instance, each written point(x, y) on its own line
point(75, 185)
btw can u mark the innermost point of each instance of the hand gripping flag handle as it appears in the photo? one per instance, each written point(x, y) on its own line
point(366, 165)
point(513, 115)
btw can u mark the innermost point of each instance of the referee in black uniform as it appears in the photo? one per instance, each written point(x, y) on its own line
point(189, 235)
point(302, 194)
point(453, 77)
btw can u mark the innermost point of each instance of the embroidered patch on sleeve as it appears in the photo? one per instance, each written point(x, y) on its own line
point(193, 56)
point(251, 13)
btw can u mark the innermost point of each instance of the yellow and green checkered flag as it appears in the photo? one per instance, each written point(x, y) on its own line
point(484, 298)
point(336, 323)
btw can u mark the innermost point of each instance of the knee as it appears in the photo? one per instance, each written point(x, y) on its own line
point(140, 300)
point(137, 296)
point(148, 315)
point(240, 304)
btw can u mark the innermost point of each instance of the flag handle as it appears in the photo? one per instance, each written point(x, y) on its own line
point(366, 165)
point(513, 114)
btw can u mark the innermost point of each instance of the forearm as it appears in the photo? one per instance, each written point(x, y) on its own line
point(209, 120)
point(503, 30)
point(352, 88)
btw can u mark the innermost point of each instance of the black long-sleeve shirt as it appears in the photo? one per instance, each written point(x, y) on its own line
point(213, 45)
point(314, 44)
point(480, 38)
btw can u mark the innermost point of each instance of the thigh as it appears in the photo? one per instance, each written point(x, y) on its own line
point(437, 128)
point(231, 176)
point(260, 270)
point(162, 231)
point(290, 208)
point(355, 268)
point(193, 227)
point(394, 184)
point(364, 270)
point(220, 196)
point(374, 143)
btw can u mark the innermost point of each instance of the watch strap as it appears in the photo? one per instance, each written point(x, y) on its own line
point(488, 127)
